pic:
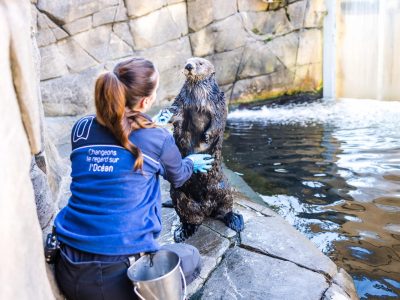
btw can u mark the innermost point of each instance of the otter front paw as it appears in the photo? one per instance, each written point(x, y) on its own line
point(184, 231)
point(234, 221)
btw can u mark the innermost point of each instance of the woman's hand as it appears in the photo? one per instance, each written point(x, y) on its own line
point(163, 117)
point(201, 162)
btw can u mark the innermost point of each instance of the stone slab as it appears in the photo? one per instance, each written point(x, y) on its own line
point(75, 57)
point(203, 42)
point(310, 49)
point(258, 60)
point(275, 236)
point(160, 26)
point(296, 12)
point(262, 87)
point(78, 25)
point(335, 292)
point(55, 64)
point(200, 14)
point(285, 48)
point(252, 5)
point(267, 22)
point(110, 15)
point(103, 44)
point(248, 275)
point(229, 33)
point(226, 65)
point(66, 11)
point(70, 95)
point(141, 8)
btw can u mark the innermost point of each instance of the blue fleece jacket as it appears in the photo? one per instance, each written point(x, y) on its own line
point(113, 209)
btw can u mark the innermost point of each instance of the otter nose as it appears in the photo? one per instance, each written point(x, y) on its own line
point(189, 67)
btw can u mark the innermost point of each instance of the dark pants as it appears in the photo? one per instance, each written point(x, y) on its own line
point(85, 276)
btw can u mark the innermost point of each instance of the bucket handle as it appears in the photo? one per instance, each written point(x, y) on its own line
point(137, 293)
point(184, 287)
point(184, 283)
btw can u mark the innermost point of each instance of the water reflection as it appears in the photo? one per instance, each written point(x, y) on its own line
point(332, 169)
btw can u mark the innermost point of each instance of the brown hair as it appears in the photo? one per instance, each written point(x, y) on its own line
point(117, 92)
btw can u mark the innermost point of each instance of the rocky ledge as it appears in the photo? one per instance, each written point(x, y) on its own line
point(268, 260)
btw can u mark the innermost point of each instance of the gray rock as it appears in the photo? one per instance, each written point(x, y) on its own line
point(159, 26)
point(45, 205)
point(141, 8)
point(229, 34)
point(66, 11)
point(75, 57)
point(308, 77)
point(285, 48)
point(252, 5)
point(262, 87)
point(226, 65)
point(203, 42)
point(335, 292)
point(258, 60)
point(267, 22)
point(169, 60)
point(103, 44)
point(44, 35)
point(223, 8)
point(55, 64)
point(345, 282)
point(70, 95)
point(79, 25)
point(285, 242)
point(248, 275)
point(310, 50)
point(296, 12)
point(212, 246)
point(200, 13)
point(110, 15)
point(123, 32)
point(203, 12)
point(58, 131)
point(315, 13)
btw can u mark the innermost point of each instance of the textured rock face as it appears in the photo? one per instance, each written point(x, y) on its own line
point(270, 259)
point(23, 274)
point(251, 42)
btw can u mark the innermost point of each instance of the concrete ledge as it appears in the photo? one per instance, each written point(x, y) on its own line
point(268, 260)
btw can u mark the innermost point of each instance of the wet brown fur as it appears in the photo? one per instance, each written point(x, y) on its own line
point(199, 124)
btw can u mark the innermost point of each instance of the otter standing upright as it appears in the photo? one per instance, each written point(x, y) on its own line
point(199, 124)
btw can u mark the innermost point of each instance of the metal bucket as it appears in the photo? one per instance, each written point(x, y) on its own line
point(159, 277)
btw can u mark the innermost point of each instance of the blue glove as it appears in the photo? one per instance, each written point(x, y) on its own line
point(201, 162)
point(163, 117)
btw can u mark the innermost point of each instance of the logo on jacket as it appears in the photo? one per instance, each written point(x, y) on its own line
point(82, 129)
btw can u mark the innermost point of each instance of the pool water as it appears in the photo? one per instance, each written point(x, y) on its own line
point(331, 169)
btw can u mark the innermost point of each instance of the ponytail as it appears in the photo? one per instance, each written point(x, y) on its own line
point(113, 113)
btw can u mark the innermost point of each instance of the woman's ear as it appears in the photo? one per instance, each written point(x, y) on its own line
point(142, 103)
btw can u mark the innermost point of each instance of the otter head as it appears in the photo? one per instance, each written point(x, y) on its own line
point(198, 69)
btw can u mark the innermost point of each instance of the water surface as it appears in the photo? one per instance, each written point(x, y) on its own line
point(332, 169)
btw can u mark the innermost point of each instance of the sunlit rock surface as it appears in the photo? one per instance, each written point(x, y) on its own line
point(268, 260)
point(246, 40)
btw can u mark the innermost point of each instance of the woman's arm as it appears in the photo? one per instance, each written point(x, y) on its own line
point(176, 170)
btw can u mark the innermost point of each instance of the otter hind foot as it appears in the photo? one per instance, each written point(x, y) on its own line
point(184, 231)
point(234, 221)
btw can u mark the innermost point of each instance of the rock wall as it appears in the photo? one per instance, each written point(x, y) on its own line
point(260, 50)
point(23, 270)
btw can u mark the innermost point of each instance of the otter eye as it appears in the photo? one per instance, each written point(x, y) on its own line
point(201, 64)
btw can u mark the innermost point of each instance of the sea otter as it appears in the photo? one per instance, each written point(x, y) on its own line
point(199, 124)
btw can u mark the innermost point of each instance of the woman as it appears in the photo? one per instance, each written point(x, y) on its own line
point(114, 212)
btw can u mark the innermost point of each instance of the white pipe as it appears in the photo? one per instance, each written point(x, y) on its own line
point(329, 49)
